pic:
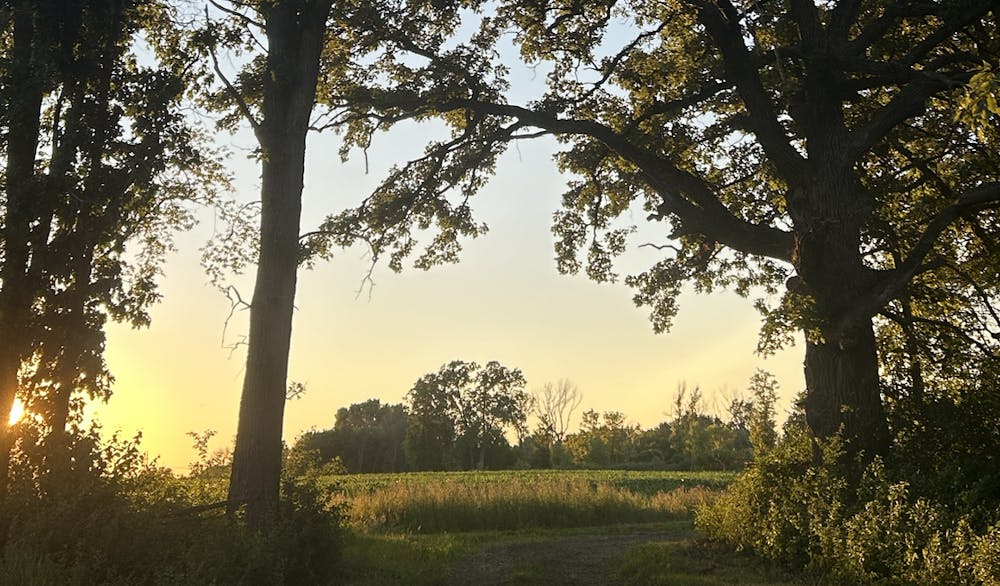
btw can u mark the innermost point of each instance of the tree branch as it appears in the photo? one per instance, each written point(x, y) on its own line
point(807, 18)
point(894, 282)
point(668, 107)
point(233, 93)
point(909, 102)
point(983, 295)
point(236, 13)
point(959, 331)
point(700, 211)
point(844, 15)
point(881, 25)
point(740, 67)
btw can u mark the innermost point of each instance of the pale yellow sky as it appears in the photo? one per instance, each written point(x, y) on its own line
point(504, 301)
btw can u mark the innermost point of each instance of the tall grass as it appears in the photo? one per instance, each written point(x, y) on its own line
point(423, 504)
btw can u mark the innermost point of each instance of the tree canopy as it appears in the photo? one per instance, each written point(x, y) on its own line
point(809, 150)
point(465, 407)
point(100, 164)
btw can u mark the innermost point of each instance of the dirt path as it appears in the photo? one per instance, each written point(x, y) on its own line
point(580, 560)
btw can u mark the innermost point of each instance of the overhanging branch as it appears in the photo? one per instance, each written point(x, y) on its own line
point(685, 195)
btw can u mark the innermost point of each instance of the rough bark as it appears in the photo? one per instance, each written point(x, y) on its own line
point(843, 392)
point(295, 33)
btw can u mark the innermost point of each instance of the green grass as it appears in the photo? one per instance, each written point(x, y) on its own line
point(413, 528)
point(393, 558)
point(511, 500)
point(645, 482)
point(681, 557)
point(692, 561)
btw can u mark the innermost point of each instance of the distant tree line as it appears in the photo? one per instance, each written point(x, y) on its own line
point(467, 416)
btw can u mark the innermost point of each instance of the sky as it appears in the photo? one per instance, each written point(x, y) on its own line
point(504, 301)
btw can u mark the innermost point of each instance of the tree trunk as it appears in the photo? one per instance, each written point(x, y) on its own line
point(295, 39)
point(843, 392)
point(257, 456)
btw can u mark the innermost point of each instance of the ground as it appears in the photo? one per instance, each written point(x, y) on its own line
point(669, 555)
point(581, 560)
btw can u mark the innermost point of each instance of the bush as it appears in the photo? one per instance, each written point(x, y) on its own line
point(114, 518)
point(786, 507)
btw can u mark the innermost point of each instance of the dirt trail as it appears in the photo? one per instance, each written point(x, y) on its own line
point(580, 560)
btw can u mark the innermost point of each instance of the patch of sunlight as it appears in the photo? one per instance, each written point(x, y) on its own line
point(16, 412)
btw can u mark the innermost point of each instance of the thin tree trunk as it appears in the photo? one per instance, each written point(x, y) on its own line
point(295, 39)
point(257, 457)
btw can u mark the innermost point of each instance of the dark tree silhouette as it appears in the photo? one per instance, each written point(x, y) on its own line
point(99, 160)
point(366, 437)
point(310, 56)
point(466, 403)
point(282, 94)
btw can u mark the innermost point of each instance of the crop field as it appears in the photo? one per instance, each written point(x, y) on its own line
point(509, 500)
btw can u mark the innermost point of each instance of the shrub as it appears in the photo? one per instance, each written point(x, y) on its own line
point(786, 507)
point(115, 518)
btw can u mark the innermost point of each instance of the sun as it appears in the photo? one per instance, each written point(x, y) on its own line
point(16, 412)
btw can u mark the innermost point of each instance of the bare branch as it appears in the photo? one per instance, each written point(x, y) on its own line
point(662, 247)
point(236, 13)
point(236, 302)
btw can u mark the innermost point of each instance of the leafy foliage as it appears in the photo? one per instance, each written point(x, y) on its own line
point(928, 516)
point(366, 437)
point(115, 518)
point(102, 167)
point(461, 412)
point(806, 154)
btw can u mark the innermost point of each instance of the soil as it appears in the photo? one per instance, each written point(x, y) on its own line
point(580, 560)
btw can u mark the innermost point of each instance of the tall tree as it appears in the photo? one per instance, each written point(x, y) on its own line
point(366, 437)
point(310, 55)
point(279, 109)
point(464, 402)
point(99, 162)
point(810, 145)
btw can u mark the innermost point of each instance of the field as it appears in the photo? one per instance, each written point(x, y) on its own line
point(536, 527)
point(508, 500)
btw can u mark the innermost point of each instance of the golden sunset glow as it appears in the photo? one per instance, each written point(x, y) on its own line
point(504, 301)
point(16, 412)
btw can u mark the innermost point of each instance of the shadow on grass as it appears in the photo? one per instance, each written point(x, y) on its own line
point(647, 554)
point(375, 559)
point(693, 561)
